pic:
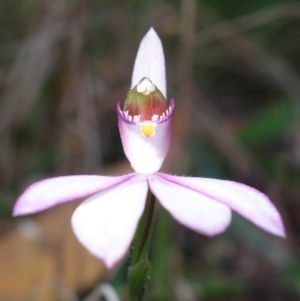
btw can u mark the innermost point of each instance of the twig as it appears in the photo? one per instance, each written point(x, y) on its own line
point(28, 74)
point(248, 22)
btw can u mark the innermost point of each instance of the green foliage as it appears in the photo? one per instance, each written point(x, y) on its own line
point(234, 8)
point(267, 125)
point(161, 286)
point(214, 288)
point(22, 11)
point(292, 275)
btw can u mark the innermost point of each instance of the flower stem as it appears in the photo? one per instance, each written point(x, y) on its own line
point(139, 271)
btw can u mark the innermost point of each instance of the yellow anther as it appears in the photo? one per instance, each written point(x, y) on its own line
point(148, 129)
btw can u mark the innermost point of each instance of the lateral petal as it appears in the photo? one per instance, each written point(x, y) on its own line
point(53, 191)
point(192, 209)
point(150, 62)
point(245, 200)
point(106, 222)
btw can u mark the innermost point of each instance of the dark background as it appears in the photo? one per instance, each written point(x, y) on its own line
point(233, 68)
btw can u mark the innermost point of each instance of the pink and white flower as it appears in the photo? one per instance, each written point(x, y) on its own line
point(105, 223)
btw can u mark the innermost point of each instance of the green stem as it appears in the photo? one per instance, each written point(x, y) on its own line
point(139, 271)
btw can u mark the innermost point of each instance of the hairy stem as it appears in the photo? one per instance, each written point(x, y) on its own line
point(139, 271)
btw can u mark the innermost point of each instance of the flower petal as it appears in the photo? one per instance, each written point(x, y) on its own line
point(146, 154)
point(192, 209)
point(247, 201)
point(150, 62)
point(106, 222)
point(50, 192)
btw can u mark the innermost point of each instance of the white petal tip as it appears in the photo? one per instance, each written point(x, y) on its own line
point(280, 231)
point(151, 32)
point(21, 209)
point(16, 213)
point(150, 62)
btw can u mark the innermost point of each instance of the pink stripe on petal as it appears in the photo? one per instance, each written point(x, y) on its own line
point(106, 222)
point(150, 62)
point(247, 201)
point(50, 192)
point(192, 209)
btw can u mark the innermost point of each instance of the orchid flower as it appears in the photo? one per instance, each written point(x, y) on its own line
point(105, 223)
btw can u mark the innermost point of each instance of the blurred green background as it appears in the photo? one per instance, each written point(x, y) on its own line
point(233, 68)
